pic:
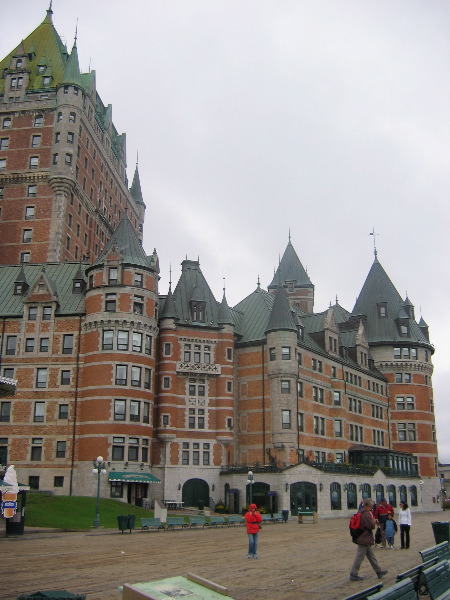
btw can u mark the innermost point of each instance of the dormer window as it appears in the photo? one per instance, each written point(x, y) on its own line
point(18, 288)
point(78, 286)
point(382, 310)
point(46, 81)
point(404, 330)
point(40, 69)
point(19, 63)
point(198, 311)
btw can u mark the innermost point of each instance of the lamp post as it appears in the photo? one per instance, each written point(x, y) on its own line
point(99, 469)
point(250, 482)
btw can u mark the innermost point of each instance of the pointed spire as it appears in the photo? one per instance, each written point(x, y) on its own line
point(135, 190)
point(169, 310)
point(48, 18)
point(225, 317)
point(281, 315)
point(126, 241)
point(72, 70)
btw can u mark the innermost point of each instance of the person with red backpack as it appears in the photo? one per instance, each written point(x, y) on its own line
point(363, 537)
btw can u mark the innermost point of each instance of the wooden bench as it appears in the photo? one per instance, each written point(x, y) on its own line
point(440, 551)
point(173, 522)
point(197, 520)
point(214, 521)
point(437, 580)
point(402, 590)
point(150, 523)
point(235, 520)
point(307, 513)
point(416, 576)
point(364, 594)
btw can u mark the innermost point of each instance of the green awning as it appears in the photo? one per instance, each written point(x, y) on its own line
point(132, 477)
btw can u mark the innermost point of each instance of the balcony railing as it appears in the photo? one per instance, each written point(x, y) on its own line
point(203, 368)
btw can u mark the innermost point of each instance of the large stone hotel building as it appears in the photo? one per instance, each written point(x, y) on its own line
point(180, 393)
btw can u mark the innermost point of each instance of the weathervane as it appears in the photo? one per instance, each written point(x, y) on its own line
point(374, 241)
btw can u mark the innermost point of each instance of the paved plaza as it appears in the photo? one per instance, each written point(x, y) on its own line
point(297, 561)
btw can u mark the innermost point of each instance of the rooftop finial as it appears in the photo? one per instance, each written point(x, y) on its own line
point(289, 235)
point(137, 158)
point(224, 286)
point(374, 241)
point(336, 299)
point(50, 6)
point(76, 34)
point(258, 283)
point(170, 276)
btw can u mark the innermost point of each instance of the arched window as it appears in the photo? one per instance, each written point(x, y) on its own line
point(392, 495)
point(402, 493)
point(379, 492)
point(413, 494)
point(335, 496)
point(351, 495)
point(365, 490)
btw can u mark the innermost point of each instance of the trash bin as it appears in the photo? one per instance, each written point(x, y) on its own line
point(60, 595)
point(285, 515)
point(441, 530)
point(122, 521)
point(131, 522)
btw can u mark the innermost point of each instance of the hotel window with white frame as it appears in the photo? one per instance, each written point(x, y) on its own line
point(122, 340)
point(107, 339)
point(120, 407)
point(121, 374)
point(39, 412)
point(137, 341)
point(285, 419)
point(135, 410)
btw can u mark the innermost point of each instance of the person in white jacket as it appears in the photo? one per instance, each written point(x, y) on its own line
point(404, 520)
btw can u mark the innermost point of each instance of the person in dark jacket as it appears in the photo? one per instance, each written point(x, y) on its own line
point(381, 516)
point(252, 519)
point(365, 542)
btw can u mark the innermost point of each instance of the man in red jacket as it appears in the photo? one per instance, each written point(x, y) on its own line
point(381, 515)
point(365, 543)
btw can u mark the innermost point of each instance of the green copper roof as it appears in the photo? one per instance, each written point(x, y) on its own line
point(135, 190)
point(72, 71)
point(281, 315)
point(254, 313)
point(290, 269)
point(45, 42)
point(379, 291)
point(225, 317)
point(127, 243)
point(59, 277)
point(193, 287)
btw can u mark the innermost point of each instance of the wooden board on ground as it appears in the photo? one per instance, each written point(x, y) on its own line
point(191, 587)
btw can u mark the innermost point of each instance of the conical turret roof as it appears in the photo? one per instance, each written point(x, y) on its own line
point(384, 308)
point(281, 318)
point(127, 243)
point(135, 189)
point(290, 269)
point(72, 70)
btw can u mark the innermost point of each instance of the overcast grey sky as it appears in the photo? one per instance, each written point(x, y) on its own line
point(253, 117)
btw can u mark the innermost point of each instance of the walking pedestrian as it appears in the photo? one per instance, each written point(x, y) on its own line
point(365, 542)
point(404, 520)
point(253, 519)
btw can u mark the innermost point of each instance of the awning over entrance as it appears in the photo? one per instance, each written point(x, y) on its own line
point(133, 477)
